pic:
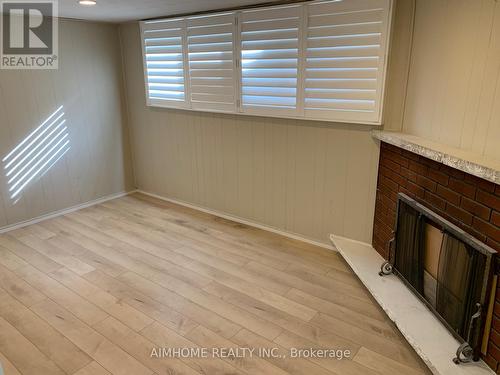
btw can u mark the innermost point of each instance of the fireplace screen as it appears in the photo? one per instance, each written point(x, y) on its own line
point(445, 267)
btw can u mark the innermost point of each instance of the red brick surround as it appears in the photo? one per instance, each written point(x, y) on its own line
point(469, 202)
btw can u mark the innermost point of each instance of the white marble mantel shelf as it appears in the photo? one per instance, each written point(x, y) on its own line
point(423, 331)
point(466, 161)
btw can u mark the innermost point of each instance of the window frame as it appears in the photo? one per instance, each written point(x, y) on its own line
point(366, 118)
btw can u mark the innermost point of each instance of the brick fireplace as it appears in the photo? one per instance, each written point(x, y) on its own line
point(467, 201)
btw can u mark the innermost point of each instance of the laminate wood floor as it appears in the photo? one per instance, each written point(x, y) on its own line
point(96, 291)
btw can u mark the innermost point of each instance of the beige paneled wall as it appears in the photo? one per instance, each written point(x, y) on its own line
point(398, 64)
point(454, 83)
point(304, 177)
point(89, 86)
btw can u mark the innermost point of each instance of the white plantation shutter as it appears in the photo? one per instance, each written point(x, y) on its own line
point(212, 68)
point(270, 60)
point(320, 60)
point(164, 62)
point(345, 59)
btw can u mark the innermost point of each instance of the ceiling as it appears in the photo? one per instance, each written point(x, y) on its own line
point(129, 10)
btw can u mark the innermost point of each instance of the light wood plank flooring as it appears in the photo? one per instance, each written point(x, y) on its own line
point(94, 291)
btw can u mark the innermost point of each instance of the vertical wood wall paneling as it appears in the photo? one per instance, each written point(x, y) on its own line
point(399, 64)
point(454, 82)
point(88, 83)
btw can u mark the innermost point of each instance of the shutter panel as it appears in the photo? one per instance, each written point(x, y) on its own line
point(210, 41)
point(270, 60)
point(164, 62)
point(345, 59)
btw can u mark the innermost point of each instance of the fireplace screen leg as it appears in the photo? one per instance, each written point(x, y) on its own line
point(464, 354)
point(386, 269)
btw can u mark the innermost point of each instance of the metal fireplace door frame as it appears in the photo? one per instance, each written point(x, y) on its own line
point(465, 352)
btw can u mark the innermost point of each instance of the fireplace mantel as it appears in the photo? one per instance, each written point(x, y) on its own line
point(466, 161)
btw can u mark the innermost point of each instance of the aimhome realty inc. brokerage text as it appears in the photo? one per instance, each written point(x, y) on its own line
point(247, 352)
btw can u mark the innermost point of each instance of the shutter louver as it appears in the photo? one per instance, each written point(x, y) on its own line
point(345, 59)
point(210, 41)
point(164, 62)
point(270, 59)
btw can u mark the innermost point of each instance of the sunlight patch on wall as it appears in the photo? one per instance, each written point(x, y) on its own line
point(37, 153)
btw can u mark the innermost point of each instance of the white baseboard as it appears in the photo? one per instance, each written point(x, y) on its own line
point(64, 211)
point(334, 236)
point(237, 219)
point(240, 220)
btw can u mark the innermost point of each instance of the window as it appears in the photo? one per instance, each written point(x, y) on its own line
point(323, 60)
point(210, 41)
point(270, 60)
point(164, 67)
point(345, 59)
